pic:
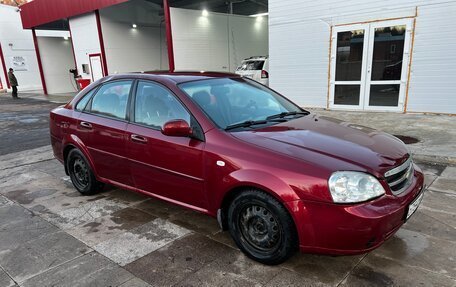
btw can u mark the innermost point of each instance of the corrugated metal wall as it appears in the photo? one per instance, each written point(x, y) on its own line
point(299, 46)
point(433, 70)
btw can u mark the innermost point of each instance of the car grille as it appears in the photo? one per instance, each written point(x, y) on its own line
point(399, 178)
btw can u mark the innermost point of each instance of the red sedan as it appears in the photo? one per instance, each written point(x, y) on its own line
point(278, 177)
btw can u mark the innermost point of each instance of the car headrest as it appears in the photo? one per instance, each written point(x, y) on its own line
point(202, 98)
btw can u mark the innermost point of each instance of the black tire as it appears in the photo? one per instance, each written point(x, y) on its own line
point(81, 174)
point(262, 228)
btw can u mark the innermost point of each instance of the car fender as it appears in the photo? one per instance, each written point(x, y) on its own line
point(74, 140)
point(265, 181)
point(245, 178)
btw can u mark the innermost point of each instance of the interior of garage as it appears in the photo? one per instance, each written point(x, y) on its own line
point(213, 41)
point(218, 35)
point(56, 55)
point(134, 37)
point(206, 35)
point(54, 49)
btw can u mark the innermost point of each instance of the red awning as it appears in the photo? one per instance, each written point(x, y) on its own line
point(39, 12)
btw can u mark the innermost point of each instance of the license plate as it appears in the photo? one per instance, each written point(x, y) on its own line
point(414, 205)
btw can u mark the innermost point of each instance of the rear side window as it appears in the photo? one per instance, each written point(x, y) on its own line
point(83, 102)
point(155, 105)
point(111, 100)
point(251, 65)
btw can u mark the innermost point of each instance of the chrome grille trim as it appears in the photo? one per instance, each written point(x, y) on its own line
point(400, 177)
point(398, 169)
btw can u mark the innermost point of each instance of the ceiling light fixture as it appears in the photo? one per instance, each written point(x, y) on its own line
point(259, 14)
point(205, 13)
point(134, 26)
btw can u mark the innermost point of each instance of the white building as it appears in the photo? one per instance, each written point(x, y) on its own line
point(17, 51)
point(365, 55)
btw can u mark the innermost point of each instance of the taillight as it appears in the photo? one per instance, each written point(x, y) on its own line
point(264, 74)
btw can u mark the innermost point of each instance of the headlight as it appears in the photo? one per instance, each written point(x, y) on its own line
point(352, 186)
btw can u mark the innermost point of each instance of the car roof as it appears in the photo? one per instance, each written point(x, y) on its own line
point(177, 77)
point(256, 58)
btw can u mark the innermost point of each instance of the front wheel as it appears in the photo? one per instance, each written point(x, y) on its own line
point(81, 174)
point(262, 228)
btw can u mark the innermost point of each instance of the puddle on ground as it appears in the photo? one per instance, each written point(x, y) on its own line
point(29, 121)
point(407, 139)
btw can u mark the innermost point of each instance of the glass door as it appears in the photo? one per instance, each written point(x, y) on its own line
point(369, 66)
point(387, 65)
point(348, 69)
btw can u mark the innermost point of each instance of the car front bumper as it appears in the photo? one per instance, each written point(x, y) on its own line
point(352, 229)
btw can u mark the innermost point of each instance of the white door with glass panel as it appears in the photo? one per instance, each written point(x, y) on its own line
point(369, 64)
point(96, 66)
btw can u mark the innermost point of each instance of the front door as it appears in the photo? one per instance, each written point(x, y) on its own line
point(170, 167)
point(369, 64)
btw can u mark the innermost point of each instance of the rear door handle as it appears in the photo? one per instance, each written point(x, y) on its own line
point(139, 139)
point(86, 125)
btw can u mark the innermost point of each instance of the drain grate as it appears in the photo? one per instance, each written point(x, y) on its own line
point(407, 139)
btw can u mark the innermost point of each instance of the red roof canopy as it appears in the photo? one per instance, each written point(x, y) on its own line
point(39, 12)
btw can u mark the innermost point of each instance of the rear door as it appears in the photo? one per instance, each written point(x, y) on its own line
point(170, 167)
point(102, 128)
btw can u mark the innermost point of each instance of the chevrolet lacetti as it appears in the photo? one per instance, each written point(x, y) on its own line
point(278, 177)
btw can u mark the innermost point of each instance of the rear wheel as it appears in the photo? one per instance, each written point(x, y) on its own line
point(81, 174)
point(262, 228)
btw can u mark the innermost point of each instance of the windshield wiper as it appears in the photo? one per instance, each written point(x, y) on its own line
point(250, 123)
point(246, 124)
point(286, 114)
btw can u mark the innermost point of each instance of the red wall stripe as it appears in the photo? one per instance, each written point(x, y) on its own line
point(38, 57)
point(100, 37)
point(4, 67)
point(169, 35)
point(72, 47)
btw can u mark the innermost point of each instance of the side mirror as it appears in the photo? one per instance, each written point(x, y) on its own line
point(176, 128)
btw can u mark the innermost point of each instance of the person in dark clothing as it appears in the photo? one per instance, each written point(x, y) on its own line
point(13, 82)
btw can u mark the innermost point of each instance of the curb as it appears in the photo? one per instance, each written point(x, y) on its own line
point(445, 160)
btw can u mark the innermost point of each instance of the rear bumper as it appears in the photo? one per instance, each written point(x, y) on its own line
point(352, 229)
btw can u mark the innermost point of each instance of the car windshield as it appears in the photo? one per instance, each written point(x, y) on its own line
point(234, 103)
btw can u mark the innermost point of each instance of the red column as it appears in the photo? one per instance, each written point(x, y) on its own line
point(169, 36)
point(4, 67)
point(38, 57)
point(72, 46)
point(100, 37)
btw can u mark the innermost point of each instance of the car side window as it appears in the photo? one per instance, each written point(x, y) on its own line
point(155, 105)
point(111, 100)
point(83, 102)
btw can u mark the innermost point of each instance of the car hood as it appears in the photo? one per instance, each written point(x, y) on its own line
point(331, 143)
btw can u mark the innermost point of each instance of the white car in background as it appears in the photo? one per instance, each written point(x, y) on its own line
point(256, 68)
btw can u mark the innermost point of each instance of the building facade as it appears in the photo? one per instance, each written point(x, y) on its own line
point(365, 55)
point(17, 51)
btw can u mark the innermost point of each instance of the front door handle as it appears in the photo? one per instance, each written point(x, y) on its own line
point(139, 139)
point(86, 125)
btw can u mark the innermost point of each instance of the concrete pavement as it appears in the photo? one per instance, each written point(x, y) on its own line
point(436, 134)
point(52, 236)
